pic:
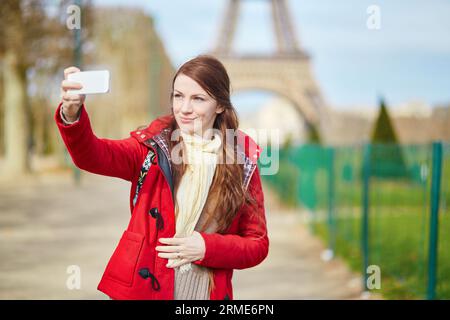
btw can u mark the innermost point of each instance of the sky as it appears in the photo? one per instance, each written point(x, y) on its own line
point(407, 59)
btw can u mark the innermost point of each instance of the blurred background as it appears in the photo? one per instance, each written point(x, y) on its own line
point(358, 92)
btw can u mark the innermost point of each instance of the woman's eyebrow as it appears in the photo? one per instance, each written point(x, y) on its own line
point(195, 94)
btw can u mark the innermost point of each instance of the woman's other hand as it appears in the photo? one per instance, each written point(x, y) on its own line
point(185, 250)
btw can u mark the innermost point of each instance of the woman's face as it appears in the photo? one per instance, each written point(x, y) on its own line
point(194, 109)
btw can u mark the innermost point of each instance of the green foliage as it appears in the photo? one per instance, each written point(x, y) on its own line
point(384, 131)
point(288, 142)
point(313, 134)
point(386, 158)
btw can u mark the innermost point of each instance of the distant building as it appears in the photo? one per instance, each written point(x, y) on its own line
point(415, 122)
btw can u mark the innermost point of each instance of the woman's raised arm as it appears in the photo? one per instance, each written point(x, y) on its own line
point(115, 158)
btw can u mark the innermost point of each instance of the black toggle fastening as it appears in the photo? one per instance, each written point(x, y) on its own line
point(145, 273)
point(159, 219)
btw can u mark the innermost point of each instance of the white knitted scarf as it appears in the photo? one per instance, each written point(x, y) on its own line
point(201, 160)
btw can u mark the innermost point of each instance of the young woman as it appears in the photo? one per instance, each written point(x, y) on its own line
point(197, 206)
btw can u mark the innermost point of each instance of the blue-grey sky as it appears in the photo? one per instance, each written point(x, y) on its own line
point(407, 59)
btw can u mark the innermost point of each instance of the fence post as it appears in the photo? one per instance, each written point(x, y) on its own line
point(434, 218)
point(365, 211)
point(331, 199)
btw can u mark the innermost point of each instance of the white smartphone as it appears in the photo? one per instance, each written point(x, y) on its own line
point(92, 81)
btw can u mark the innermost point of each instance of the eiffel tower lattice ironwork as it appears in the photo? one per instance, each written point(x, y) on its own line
point(285, 72)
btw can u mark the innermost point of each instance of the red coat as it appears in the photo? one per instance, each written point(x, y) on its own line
point(134, 270)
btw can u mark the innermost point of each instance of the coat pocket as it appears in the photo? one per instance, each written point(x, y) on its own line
point(122, 265)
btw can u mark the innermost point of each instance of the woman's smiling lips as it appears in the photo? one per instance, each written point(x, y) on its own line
point(186, 120)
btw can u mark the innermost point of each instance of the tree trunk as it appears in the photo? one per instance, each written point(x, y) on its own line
point(16, 124)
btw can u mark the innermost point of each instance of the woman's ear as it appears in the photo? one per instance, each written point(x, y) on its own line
point(220, 109)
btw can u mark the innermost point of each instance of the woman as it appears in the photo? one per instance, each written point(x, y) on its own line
point(197, 206)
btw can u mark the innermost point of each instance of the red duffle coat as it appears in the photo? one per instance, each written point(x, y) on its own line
point(135, 271)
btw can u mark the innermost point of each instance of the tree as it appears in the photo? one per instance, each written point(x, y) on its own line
point(33, 45)
point(384, 131)
point(313, 133)
point(386, 157)
point(13, 70)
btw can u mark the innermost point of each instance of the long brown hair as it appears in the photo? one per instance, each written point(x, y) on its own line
point(212, 76)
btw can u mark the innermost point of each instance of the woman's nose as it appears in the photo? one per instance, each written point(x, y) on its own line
point(186, 106)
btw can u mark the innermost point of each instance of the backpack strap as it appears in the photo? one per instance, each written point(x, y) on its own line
point(149, 160)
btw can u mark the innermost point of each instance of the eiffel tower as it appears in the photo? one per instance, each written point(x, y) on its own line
point(285, 72)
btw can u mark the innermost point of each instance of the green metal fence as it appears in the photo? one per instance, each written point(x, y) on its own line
point(377, 205)
point(443, 243)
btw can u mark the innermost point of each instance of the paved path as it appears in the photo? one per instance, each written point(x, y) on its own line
point(294, 268)
point(50, 224)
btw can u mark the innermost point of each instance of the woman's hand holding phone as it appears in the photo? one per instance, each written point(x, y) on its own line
point(71, 103)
